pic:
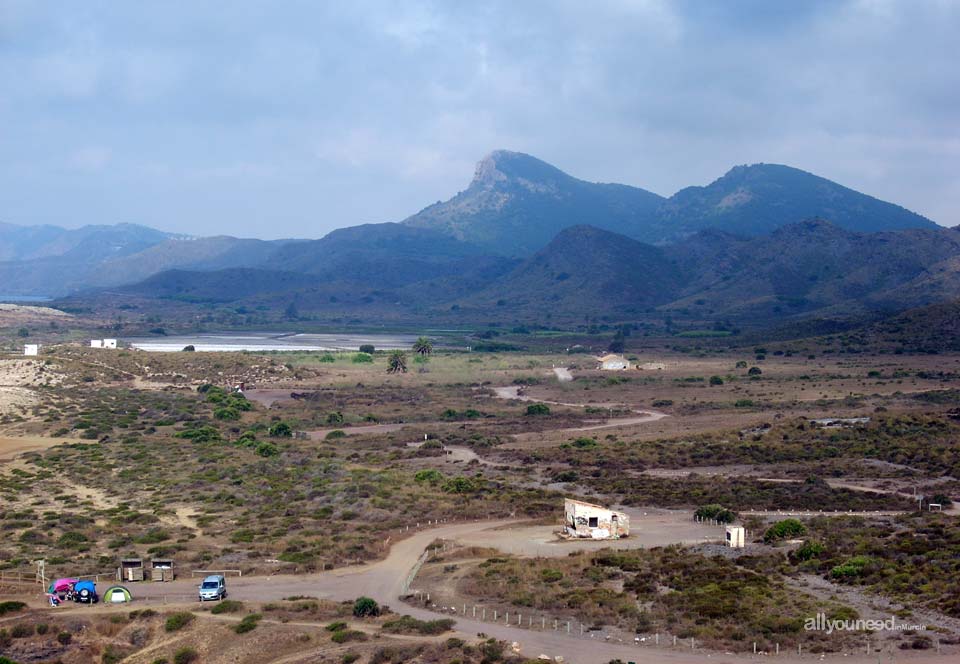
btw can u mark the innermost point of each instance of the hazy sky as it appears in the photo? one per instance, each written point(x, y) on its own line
point(274, 119)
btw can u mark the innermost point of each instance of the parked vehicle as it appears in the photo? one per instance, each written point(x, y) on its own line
point(85, 592)
point(213, 587)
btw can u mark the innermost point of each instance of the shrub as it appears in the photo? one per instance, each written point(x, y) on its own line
point(365, 606)
point(551, 575)
point(21, 630)
point(64, 638)
point(743, 403)
point(335, 417)
point(336, 433)
point(267, 449)
point(227, 606)
point(538, 409)
point(185, 656)
point(852, 568)
point(410, 625)
point(362, 358)
point(248, 624)
point(345, 635)
point(189, 348)
point(809, 550)
point(367, 348)
point(280, 430)
point(716, 512)
point(10, 607)
point(784, 529)
point(430, 475)
point(336, 626)
point(327, 358)
point(584, 443)
point(716, 380)
point(754, 371)
point(178, 621)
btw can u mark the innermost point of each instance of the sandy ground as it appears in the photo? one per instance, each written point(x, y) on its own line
point(11, 447)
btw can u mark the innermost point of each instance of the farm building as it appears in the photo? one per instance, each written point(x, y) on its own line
point(613, 363)
point(594, 521)
point(31, 349)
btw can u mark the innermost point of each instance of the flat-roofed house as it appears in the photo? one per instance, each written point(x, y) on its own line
point(593, 521)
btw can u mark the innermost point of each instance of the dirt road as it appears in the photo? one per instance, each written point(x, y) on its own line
point(385, 581)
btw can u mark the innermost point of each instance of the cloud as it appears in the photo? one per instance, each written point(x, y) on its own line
point(317, 115)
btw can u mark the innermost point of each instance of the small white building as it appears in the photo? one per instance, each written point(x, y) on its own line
point(736, 537)
point(109, 343)
point(613, 363)
point(96, 343)
point(31, 349)
point(593, 521)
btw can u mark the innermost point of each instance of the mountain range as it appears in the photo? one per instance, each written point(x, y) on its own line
point(525, 241)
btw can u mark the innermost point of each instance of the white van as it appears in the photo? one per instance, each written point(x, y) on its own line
point(213, 587)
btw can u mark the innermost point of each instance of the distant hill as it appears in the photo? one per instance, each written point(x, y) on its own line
point(585, 270)
point(385, 255)
point(933, 328)
point(24, 243)
point(103, 256)
point(516, 204)
point(758, 199)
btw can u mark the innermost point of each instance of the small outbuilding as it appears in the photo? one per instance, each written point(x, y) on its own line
point(96, 343)
point(161, 569)
point(131, 569)
point(591, 521)
point(109, 343)
point(613, 363)
point(736, 537)
point(31, 349)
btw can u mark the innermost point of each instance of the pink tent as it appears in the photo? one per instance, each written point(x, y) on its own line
point(61, 585)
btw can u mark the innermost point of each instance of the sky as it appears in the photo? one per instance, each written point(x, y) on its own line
point(290, 119)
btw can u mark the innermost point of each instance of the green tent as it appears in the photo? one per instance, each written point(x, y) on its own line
point(116, 595)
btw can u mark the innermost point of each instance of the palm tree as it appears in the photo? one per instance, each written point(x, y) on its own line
point(397, 362)
point(423, 346)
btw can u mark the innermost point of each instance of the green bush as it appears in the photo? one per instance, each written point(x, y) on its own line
point(227, 606)
point(345, 635)
point(852, 568)
point(538, 409)
point(248, 624)
point(11, 606)
point(365, 606)
point(64, 638)
point(327, 358)
point(185, 656)
point(809, 550)
point(716, 512)
point(551, 575)
point(362, 358)
point(280, 430)
point(335, 434)
point(178, 621)
point(429, 475)
point(410, 625)
point(788, 528)
point(336, 626)
point(584, 443)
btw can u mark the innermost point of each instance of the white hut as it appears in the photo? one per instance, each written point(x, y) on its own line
point(736, 537)
point(593, 521)
point(31, 349)
point(613, 363)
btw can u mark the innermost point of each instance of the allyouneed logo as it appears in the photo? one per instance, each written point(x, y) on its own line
point(820, 623)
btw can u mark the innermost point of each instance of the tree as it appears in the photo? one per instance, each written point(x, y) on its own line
point(368, 349)
point(423, 346)
point(617, 345)
point(189, 348)
point(716, 380)
point(538, 409)
point(291, 312)
point(23, 332)
point(397, 362)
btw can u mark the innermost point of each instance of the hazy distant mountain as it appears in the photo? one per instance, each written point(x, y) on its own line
point(20, 243)
point(384, 255)
point(757, 199)
point(516, 204)
point(100, 256)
